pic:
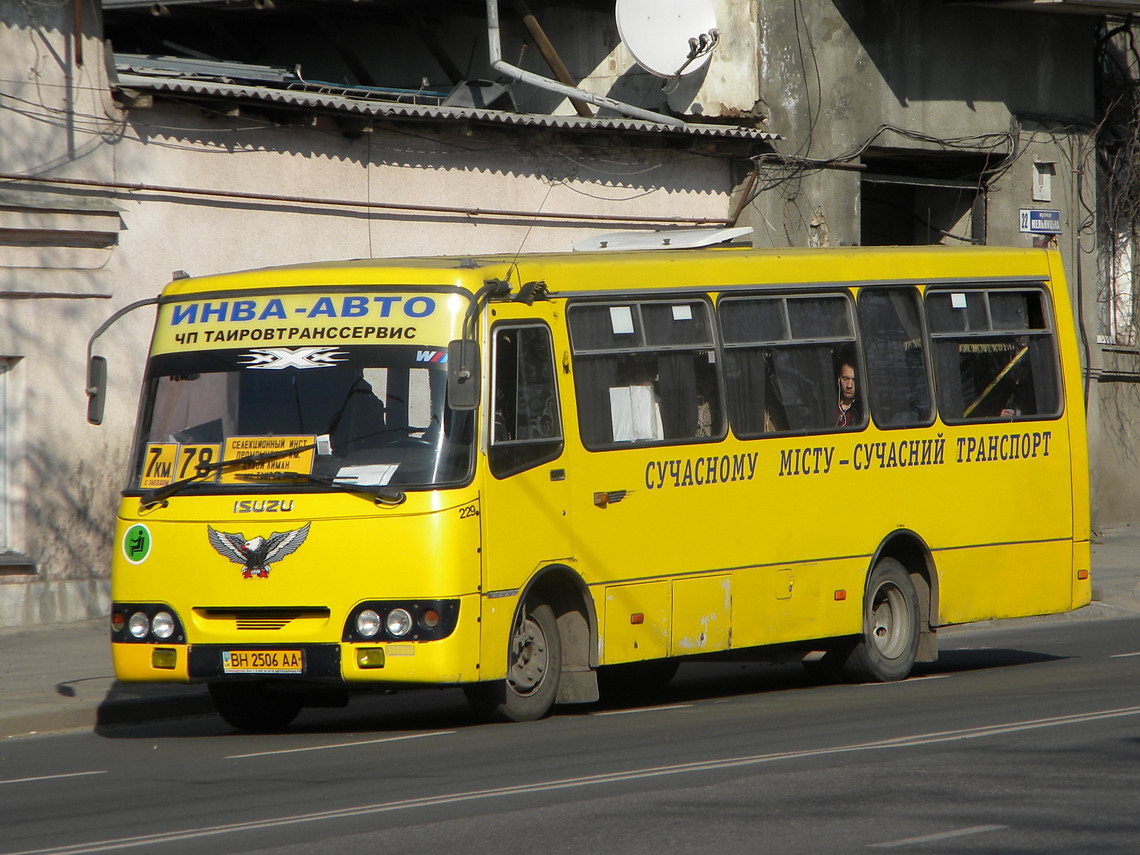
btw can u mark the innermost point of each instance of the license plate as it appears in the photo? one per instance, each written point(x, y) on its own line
point(263, 662)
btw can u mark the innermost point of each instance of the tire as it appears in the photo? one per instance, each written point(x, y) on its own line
point(534, 667)
point(254, 707)
point(886, 649)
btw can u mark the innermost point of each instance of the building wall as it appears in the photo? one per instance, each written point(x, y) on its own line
point(55, 117)
point(61, 121)
point(841, 77)
point(843, 82)
point(844, 79)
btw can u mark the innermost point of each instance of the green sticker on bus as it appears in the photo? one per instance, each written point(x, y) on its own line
point(136, 543)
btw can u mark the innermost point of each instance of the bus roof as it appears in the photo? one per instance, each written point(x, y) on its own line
point(578, 272)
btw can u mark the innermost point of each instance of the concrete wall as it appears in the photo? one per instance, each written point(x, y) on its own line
point(56, 117)
point(841, 76)
point(68, 474)
point(836, 78)
point(845, 76)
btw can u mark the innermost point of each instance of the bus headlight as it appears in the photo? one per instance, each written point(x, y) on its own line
point(371, 621)
point(162, 625)
point(138, 625)
point(145, 623)
point(368, 623)
point(399, 623)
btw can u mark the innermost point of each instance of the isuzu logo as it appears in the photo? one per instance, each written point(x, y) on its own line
point(263, 506)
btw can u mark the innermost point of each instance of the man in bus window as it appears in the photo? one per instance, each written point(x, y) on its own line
point(359, 422)
point(846, 408)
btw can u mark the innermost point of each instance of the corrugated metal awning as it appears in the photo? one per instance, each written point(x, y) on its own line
point(1077, 7)
point(329, 102)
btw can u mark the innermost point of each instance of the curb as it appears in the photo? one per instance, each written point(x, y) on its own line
point(191, 701)
point(122, 705)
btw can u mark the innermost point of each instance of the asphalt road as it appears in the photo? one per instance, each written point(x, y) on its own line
point(1022, 738)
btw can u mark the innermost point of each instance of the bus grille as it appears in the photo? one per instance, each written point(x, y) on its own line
point(262, 619)
point(263, 623)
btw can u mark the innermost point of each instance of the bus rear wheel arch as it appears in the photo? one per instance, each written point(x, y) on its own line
point(888, 645)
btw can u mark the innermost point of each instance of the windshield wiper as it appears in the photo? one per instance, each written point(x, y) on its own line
point(388, 496)
point(161, 494)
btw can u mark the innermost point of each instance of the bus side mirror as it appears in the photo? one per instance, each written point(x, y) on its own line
point(463, 374)
point(96, 389)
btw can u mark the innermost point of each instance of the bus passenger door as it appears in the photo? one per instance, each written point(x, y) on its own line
point(526, 511)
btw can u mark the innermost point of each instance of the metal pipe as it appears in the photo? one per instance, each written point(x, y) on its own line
point(355, 203)
point(103, 327)
point(495, 51)
point(77, 36)
point(745, 196)
point(551, 56)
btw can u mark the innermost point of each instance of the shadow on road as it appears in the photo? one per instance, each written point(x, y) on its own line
point(446, 709)
point(978, 659)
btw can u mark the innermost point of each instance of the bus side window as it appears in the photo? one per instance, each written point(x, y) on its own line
point(526, 424)
point(782, 357)
point(995, 357)
point(898, 383)
point(645, 373)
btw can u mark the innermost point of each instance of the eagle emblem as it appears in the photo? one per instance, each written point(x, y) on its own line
point(256, 554)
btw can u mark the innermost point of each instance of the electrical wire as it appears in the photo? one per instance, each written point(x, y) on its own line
point(798, 15)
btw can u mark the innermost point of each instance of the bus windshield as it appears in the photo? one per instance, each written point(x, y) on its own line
point(368, 415)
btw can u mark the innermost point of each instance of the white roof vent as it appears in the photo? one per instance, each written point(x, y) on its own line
point(661, 239)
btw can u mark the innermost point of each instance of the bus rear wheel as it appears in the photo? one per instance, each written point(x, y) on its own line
point(254, 707)
point(886, 650)
point(534, 667)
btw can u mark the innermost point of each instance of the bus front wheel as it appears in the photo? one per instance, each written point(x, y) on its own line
point(886, 650)
point(534, 667)
point(254, 707)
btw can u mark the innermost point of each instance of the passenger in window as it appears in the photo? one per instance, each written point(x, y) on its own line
point(502, 431)
point(359, 423)
point(704, 416)
point(847, 412)
point(1018, 400)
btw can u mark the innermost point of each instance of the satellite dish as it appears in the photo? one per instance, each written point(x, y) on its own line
point(669, 38)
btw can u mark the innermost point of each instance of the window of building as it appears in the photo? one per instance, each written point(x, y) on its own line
point(898, 382)
point(1117, 300)
point(910, 197)
point(5, 453)
point(994, 355)
point(11, 561)
point(646, 373)
point(784, 357)
point(527, 427)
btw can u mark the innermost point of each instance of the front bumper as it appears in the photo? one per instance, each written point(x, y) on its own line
point(446, 661)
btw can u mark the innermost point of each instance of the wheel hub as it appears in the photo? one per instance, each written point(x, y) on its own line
point(889, 614)
point(529, 659)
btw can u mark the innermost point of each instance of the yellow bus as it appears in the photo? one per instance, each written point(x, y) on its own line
point(515, 474)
